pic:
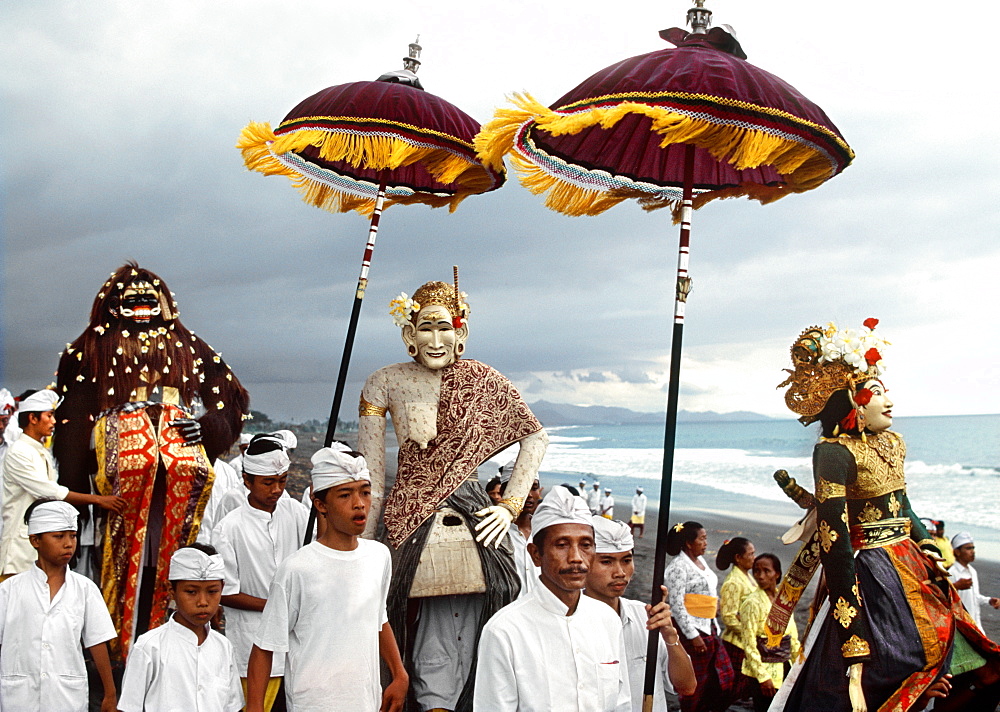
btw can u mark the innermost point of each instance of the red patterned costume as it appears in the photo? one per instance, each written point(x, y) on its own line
point(161, 406)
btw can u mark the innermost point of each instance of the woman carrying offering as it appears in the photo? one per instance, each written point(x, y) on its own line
point(737, 552)
point(891, 626)
point(765, 657)
point(692, 585)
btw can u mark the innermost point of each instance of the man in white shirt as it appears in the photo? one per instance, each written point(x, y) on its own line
point(608, 505)
point(638, 520)
point(520, 531)
point(29, 473)
point(594, 499)
point(609, 576)
point(252, 540)
point(555, 650)
point(966, 578)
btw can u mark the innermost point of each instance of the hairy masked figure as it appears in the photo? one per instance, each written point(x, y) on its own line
point(147, 408)
point(449, 415)
point(890, 625)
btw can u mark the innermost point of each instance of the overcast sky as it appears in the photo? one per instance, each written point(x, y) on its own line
point(119, 121)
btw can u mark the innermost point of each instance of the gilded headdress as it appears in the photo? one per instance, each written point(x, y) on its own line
point(404, 309)
point(826, 360)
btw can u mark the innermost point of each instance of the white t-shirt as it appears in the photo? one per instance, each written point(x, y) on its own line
point(252, 543)
point(226, 479)
point(325, 610)
point(167, 671)
point(41, 658)
point(535, 658)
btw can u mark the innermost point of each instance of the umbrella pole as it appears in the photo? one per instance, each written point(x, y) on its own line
point(352, 329)
point(670, 429)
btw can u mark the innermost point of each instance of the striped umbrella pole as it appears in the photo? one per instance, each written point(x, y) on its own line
point(352, 329)
point(670, 430)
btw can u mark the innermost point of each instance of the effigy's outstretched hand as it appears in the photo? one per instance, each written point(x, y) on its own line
point(188, 428)
point(496, 522)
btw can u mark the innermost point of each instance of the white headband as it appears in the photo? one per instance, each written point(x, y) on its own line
point(267, 464)
point(189, 564)
point(335, 465)
point(40, 402)
point(961, 539)
point(288, 438)
point(560, 506)
point(6, 401)
point(56, 516)
point(612, 537)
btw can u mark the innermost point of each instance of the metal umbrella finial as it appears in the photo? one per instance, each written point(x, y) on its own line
point(412, 62)
point(699, 17)
point(408, 74)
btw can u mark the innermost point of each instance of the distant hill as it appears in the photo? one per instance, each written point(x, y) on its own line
point(564, 414)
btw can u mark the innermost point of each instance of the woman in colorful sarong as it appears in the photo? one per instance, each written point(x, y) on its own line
point(737, 552)
point(691, 586)
point(891, 626)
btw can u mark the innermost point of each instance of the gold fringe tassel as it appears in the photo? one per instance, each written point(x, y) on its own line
point(803, 167)
point(259, 146)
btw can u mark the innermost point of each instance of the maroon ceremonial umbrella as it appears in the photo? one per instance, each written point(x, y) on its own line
point(674, 128)
point(362, 145)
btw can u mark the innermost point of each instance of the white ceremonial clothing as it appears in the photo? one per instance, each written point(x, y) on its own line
point(226, 479)
point(972, 599)
point(325, 609)
point(252, 543)
point(608, 506)
point(633, 617)
point(167, 671)
point(41, 658)
point(29, 473)
point(535, 658)
point(527, 572)
point(594, 501)
point(639, 505)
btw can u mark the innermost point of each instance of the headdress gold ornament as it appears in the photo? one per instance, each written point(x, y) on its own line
point(828, 360)
point(404, 310)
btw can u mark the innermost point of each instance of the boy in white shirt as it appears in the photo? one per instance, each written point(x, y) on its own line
point(252, 540)
point(184, 664)
point(327, 606)
point(45, 614)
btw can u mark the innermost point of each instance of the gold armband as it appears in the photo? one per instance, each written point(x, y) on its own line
point(826, 489)
point(514, 505)
point(855, 648)
point(366, 408)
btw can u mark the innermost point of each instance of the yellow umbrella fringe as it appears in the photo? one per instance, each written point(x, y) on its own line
point(801, 165)
point(256, 143)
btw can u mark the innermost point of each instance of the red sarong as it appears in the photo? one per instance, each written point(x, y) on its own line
point(130, 447)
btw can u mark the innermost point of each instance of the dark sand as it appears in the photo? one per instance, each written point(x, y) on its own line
point(765, 536)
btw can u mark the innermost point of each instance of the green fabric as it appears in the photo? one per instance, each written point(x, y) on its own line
point(964, 657)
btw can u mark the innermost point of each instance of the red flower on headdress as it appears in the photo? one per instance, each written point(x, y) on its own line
point(872, 356)
point(870, 322)
point(457, 322)
point(863, 397)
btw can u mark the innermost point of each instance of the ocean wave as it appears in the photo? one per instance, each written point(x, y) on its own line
point(727, 469)
point(918, 468)
point(557, 439)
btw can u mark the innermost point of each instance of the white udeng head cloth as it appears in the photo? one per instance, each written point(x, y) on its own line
point(271, 463)
point(336, 465)
point(39, 402)
point(56, 516)
point(560, 506)
point(961, 539)
point(288, 438)
point(6, 401)
point(611, 537)
point(189, 564)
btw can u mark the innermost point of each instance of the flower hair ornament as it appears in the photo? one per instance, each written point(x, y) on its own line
point(402, 309)
point(826, 360)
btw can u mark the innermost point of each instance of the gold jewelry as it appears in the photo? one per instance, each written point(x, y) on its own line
point(514, 505)
point(855, 647)
point(366, 408)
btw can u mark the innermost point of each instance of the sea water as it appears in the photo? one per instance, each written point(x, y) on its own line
point(952, 468)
